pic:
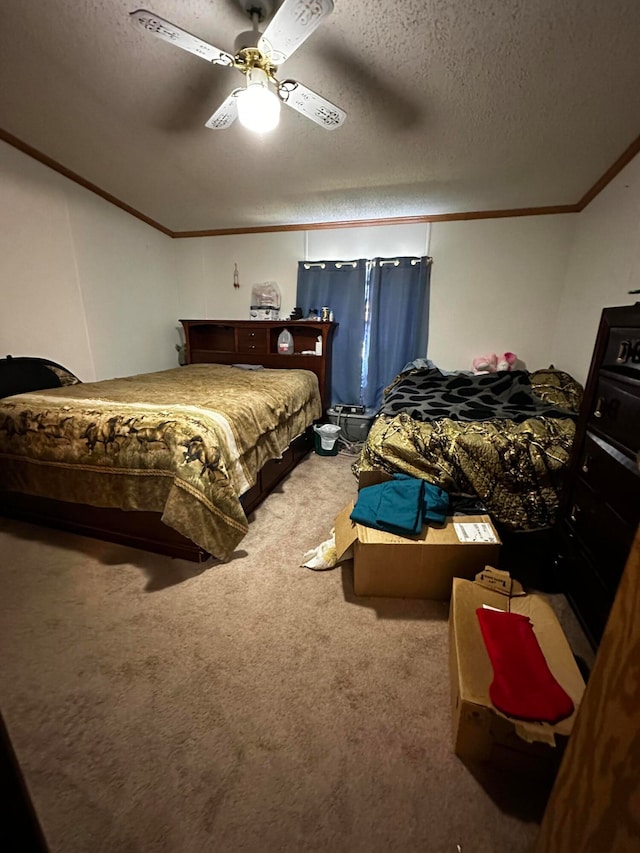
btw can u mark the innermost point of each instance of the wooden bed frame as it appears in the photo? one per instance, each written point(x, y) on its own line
point(214, 342)
point(143, 529)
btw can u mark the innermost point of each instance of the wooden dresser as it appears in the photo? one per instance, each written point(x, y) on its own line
point(601, 510)
point(256, 342)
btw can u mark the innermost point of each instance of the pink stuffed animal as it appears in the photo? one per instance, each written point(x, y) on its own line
point(506, 361)
point(485, 363)
point(492, 363)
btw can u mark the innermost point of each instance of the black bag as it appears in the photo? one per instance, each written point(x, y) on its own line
point(22, 374)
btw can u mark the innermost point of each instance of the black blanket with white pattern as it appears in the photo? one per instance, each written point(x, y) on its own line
point(427, 395)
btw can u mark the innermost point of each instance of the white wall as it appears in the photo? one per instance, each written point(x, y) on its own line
point(495, 284)
point(41, 311)
point(604, 264)
point(204, 270)
point(381, 241)
point(204, 265)
point(82, 282)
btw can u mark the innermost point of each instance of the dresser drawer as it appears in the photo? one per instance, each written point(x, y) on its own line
point(603, 534)
point(590, 598)
point(623, 350)
point(612, 476)
point(616, 411)
point(275, 469)
point(252, 340)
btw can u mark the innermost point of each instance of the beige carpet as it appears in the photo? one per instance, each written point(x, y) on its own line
point(256, 705)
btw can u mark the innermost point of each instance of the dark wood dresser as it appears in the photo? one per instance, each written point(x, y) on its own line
point(601, 510)
point(256, 342)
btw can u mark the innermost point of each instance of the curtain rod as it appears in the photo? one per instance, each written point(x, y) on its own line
point(339, 264)
point(414, 261)
point(354, 264)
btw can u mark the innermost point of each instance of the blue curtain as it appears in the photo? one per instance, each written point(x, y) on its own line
point(341, 286)
point(398, 300)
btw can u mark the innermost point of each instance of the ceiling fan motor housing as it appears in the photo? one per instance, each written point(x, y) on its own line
point(261, 8)
point(258, 11)
point(247, 39)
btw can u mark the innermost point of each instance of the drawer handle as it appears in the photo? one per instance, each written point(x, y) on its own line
point(599, 407)
point(623, 351)
point(252, 346)
point(585, 465)
point(574, 513)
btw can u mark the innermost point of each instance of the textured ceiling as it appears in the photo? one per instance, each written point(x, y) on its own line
point(451, 106)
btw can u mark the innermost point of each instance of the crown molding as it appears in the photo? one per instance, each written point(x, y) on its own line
point(613, 170)
point(5, 136)
point(397, 220)
point(580, 205)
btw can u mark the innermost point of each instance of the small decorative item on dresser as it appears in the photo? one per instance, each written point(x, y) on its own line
point(265, 301)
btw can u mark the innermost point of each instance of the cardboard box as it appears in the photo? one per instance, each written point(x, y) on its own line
point(482, 733)
point(423, 566)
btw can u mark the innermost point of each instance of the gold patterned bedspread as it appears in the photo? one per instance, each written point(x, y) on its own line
point(186, 442)
point(515, 468)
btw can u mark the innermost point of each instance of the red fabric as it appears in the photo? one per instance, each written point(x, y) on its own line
point(523, 685)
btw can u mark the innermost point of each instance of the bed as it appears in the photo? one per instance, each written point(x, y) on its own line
point(503, 438)
point(180, 452)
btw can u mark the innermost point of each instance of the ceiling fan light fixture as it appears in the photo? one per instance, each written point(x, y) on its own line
point(258, 57)
point(258, 106)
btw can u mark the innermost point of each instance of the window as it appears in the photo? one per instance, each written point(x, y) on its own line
point(381, 306)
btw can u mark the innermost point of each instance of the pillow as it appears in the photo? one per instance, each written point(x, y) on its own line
point(19, 375)
point(557, 388)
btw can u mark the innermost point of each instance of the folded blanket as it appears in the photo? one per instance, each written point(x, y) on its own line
point(429, 394)
point(401, 505)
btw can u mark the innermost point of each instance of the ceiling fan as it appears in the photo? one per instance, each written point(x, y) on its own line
point(258, 104)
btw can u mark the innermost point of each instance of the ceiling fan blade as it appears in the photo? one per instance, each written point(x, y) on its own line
point(292, 24)
point(180, 38)
point(311, 105)
point(226, 113)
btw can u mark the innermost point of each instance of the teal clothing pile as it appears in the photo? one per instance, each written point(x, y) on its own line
point(401, 505)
